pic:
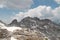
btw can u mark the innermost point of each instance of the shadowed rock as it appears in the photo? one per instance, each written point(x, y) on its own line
point(14, 23)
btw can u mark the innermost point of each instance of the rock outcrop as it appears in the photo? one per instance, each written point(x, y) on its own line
point(4, 34)
point(24, 34)
point(27, 34)
point(45, 26)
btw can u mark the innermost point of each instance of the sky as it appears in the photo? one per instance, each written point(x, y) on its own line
point(19, 9)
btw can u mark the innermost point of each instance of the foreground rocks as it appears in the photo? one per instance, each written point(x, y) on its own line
point(27, 34)
point(4, 34)
point(24, 34)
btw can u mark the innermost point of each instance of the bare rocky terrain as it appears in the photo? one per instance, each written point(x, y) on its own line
point(30, 29)
point(24, 34)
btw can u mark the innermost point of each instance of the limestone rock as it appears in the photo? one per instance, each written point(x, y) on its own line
point(27, 34)
point(4, 34)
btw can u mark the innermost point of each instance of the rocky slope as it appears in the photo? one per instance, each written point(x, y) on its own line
point(49, 29)
point(27, 34)
point(21, 34)
point(14, 23)
point(46, 26)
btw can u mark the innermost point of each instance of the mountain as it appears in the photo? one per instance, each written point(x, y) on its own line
point(2, 22)
point(14, 23)
point(28, 21)
point(46, 26)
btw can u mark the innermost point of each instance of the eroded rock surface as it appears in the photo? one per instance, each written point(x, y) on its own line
point(4, 34)
point(23, 34)
point(27, 34)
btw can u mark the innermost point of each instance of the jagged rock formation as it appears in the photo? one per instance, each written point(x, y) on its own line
point(27, 34)
point(23, 34)
point(45, 26)
point(14, 23)
point(4, 34)
point(20, 34)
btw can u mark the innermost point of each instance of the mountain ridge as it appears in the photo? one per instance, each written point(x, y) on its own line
point(45, 26)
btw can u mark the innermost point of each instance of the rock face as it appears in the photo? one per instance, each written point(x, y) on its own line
point(20, 34)
point(46, 26)
point(27, 34)
point(4, 34)
point(24, 34)
point(14, 23)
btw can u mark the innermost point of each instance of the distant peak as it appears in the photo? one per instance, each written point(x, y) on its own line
point(2, 22)
point(14, 21)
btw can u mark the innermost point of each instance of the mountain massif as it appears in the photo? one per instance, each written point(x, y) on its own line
point(45, 26)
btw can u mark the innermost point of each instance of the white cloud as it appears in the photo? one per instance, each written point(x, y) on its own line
point(2, 3)
point(58, 1)
point(42, 12)
point(2, 6)
point(56, 13)
point(17, 4)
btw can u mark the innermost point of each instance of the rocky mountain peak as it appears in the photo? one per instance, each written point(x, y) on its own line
point(14, 23)
point(45, 26)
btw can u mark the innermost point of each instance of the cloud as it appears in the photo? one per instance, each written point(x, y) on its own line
point(58, 1)
point(2, 3)
point(17, 4)
point(42, 12)
point(2, 6)
point(56, 13)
